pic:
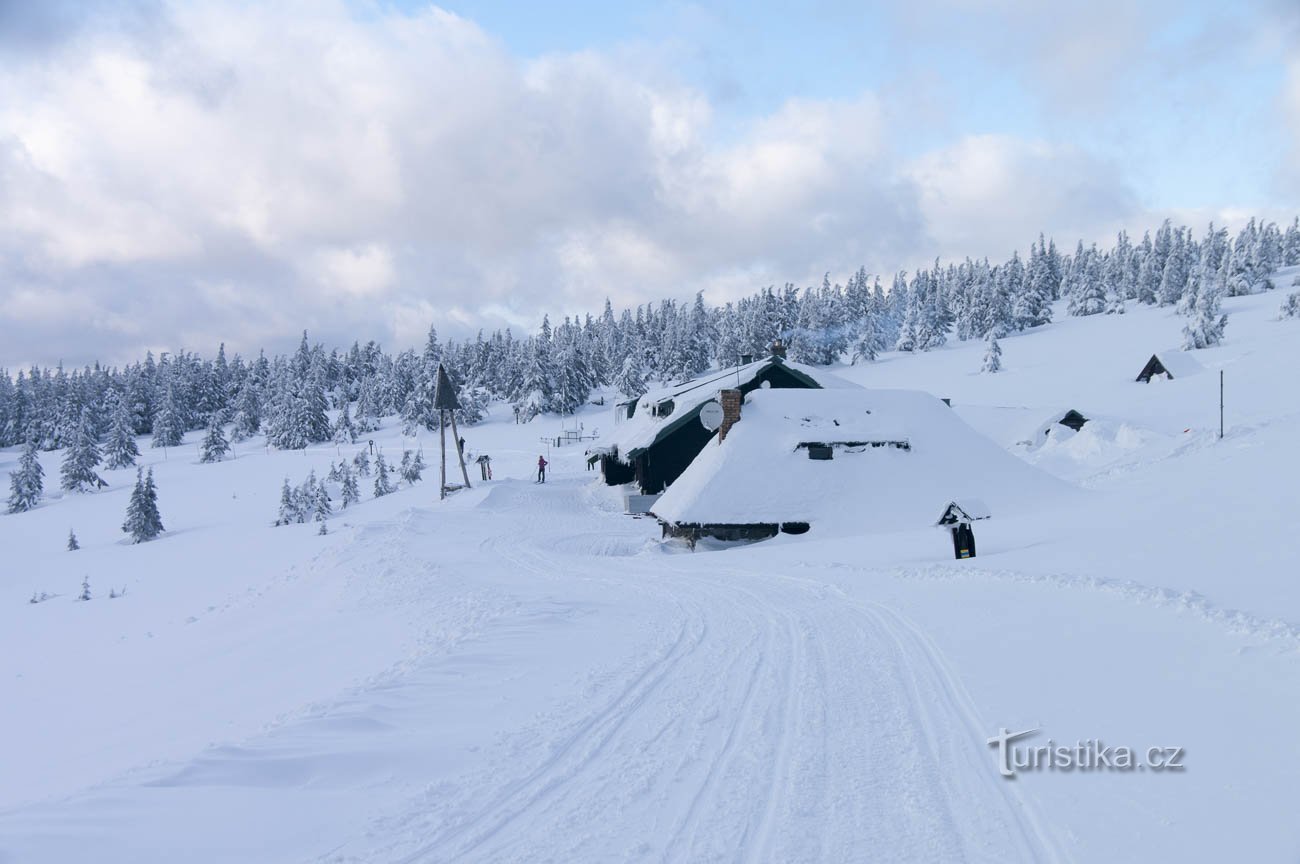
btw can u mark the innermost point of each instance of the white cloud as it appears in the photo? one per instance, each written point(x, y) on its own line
point(244, 171)
point(995, 193)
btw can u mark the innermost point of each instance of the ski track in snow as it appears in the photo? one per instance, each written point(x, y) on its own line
point(776, 721)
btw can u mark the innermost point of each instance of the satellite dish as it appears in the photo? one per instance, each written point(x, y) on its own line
point(711, 415)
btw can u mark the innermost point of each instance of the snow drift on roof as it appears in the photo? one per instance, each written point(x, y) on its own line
point(1179, 363)
point(641, 429)
point(758, 474)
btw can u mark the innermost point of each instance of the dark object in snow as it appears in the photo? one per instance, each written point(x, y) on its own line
point(692, 533)
point(1073, 419)
point(446, 403)
point(957, 517)
point(485, 466)
point(1170, 364)
point(820, 451)
point(963, 541)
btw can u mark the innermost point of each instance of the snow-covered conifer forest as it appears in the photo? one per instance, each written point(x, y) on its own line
point(556, 369)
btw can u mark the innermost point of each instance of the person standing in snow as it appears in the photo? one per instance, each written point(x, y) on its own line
point(541, 469)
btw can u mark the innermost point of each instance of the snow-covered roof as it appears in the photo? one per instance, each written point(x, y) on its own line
point(644, 426)
point(760, 475)
point(965, 509)
point(1179, 363)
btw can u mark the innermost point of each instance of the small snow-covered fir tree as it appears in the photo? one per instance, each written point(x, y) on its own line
point(73, 545)
point(80, 460)
point(288, 507)
point(26, 484)
point(336, 471)
point(142, 520)
point(1290, 306)
point(322, 505)
point(350, 494)
point(85, 589)
point(383, 486)
point(412, 466)
point(120, 451)
point(345, 431)
point(993, 354)
point(361, 462)
point(215, 446)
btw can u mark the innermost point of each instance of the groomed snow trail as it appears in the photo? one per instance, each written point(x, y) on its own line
point(777, 720)
point(576, 692)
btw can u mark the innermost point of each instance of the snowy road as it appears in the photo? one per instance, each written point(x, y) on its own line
point(588, 697)
point(775, 720)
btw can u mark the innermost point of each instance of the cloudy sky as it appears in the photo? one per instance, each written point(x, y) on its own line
point(174, 175)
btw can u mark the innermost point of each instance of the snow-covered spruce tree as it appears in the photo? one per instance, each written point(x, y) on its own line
point(81, 459)
point(248, 414)
point(473, 405)
point(383, 486)
point(993, 354)
point(350, 494)
point(361, 462)
point(630, 379)
point(1291, 305)
point(1208, 325)
point(288, 507)
point(27, 483)
point(322, 505)
point(120, 450)
point(142, 520)
point(85, 589)
point(345, 431)
point(168, 425)
point(412, 466)
point(73, 545)
point(215, 446)
point(1088, 294)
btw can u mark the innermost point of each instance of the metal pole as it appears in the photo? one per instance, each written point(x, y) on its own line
point(1220, 404)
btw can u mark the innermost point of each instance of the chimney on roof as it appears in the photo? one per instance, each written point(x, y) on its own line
point(730, 400)
point(778, 348)
point(746, 359)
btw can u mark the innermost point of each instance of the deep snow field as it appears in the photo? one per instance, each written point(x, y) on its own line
point(523, 673)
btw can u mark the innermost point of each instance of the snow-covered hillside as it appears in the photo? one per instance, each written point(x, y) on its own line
point(523, 673)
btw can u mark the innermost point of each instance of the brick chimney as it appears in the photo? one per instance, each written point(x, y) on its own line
point(731, 400)
point(778, 349)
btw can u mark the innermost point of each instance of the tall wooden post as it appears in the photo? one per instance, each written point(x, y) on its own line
point(442, 436)
point(460, 454)
point(444, 399)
